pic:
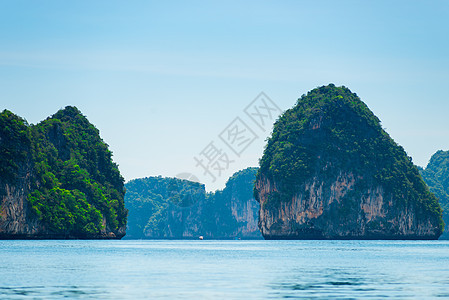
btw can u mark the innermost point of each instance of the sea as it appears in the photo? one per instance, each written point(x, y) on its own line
point(217, 269)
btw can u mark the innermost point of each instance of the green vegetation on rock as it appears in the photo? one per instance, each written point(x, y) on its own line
point(149, 201)
point(14, 145)
point(436, 175)
point(76, 189)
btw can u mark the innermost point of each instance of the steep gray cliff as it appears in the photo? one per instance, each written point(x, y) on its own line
point(327, 210)
point(16, 219)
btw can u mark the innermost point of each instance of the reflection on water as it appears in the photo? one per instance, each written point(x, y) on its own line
point(374, 269)
point(223, 269)
point(332, 283)
point(52, 292)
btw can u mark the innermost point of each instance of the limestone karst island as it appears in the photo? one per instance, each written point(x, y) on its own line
point(57, 180)
point(329, 171)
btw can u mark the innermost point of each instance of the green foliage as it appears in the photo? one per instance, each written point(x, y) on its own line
point(330, 130)
point(241, 183)
point(14, 145)
point(151, 201)
point(436, 175)
point(76, 184)
point(66, 211)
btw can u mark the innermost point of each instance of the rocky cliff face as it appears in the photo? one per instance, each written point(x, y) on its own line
point(16, 219)
point(330, 171)
point(170, 208)
point(235, 207)
point(321, 211)
point(57, 180)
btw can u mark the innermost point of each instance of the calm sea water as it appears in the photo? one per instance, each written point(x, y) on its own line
point(223, 269)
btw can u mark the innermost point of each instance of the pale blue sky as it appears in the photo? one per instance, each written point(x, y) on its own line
point(161, 80)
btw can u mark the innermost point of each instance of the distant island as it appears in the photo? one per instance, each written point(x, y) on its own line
point(329, 171)
point(58, 180)
point(172, 208)
point(436, 175)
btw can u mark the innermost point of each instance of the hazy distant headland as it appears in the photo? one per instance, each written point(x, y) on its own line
point(171, 208)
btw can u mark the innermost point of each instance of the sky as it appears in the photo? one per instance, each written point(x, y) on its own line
point(167, 82)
